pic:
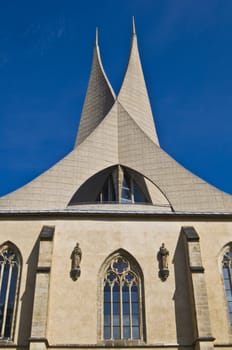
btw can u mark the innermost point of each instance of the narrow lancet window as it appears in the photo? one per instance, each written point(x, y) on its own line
point(9, 276)
point(227, 274)
point(122, 301)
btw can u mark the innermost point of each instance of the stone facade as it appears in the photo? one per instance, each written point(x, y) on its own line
point(117, 147)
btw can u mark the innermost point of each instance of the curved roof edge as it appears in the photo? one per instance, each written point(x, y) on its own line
point(99, 98)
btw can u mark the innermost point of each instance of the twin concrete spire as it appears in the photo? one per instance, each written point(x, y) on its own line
point(118, 131)
point(133, 96)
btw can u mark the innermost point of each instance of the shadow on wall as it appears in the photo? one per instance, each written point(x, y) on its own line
point(182, 298)
point(28, 298)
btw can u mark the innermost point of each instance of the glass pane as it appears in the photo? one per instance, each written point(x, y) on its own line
point(126, 190)
point(106, 308)
point(9, 315)
point(126, 332)
point(107, 287)
point(4, 284)
point(135, 332)
point(112, 195)
point(135, 320)
point(116, 332)
point(116, 296)
point(116, 320)
point(225, 273)
point(105, 194)
point(135, 308)
point(126, 320)
point(230, 306)
point(116, 308)
point(111, 277)
point(125, 293)
point(129, 277)
point(107, 332)
point(120, 266)
point(228, 295)
point(134, 293)
point(116, 287)
point(107, 296)
point(138, 194)
point(227, 284)
point(126, 308)
point(10, 306)
point(230, 318)
point(107, 320)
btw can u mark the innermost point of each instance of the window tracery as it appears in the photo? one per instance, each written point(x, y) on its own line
point(9, 278)
point(122, 301)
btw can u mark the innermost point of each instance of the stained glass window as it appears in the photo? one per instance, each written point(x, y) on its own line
point(122, 305)
point(9, 273)
point(227, 274)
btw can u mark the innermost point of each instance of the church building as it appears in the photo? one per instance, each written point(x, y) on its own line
point(116, 245)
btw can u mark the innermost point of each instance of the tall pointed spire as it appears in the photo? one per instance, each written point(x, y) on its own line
point(96, 38)
point(133, 95)
point(133, 26)
point(99, 98)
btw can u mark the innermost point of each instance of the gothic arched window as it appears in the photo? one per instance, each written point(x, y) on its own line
point(10, 263)
point(227, 274)
point(122, 301)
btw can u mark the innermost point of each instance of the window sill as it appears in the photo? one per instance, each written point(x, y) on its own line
point(121, 342)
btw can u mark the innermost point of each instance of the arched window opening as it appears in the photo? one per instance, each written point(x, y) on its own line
point(122, 301)
point(121, 186)
point(9, 276)
point(227, 274)
point(116, 184)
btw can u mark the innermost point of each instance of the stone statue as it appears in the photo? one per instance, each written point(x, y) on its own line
point(164, 253)
point(75, 264)
point(163, 256)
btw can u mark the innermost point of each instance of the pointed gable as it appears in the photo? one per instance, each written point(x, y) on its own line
point(133, 95)
point(99, 98)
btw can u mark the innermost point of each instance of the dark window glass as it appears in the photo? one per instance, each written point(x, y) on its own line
point(9, 270)
point(116, 293)
point(134, 293)
point(135, 320)
point(121, 306)
point(116, 308)
point(116, 320)
point(126, 332)
point(135, 308)
point(138, 194)
point(125, 294)
point(126, 308)
point(107, 308)
point(126, 320)
point(135, 332)
point(116, 332)
point(107, 332)
point(126, 190)
point(227, 274)
point(107, 320)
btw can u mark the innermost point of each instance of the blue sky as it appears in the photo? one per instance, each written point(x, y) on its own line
point(45, 59)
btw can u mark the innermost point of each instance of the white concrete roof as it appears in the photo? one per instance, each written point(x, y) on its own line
point(118, 130)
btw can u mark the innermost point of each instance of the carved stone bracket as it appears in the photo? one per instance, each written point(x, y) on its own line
point(163, 255)
point(75, 263)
